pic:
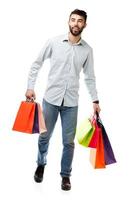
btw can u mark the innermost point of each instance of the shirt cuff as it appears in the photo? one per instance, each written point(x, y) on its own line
point(97, 101)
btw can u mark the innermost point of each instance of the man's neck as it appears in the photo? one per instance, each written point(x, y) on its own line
point(74, 39)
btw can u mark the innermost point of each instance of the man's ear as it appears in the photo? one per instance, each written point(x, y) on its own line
point(85, 25)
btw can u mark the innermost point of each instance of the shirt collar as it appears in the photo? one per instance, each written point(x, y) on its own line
point(65, 39)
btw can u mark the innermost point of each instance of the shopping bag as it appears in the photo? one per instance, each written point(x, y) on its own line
point(103, 154)
point(108, 151)
point(85, 132)
point(97, 158)
point(25, 117)
point(36, 120)
point(94, 140)
point(42, 125)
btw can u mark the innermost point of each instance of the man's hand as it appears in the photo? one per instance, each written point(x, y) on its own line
point(96, 108)
point(30, 94)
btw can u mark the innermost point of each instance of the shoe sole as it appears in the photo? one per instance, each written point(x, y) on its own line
point(65, 188)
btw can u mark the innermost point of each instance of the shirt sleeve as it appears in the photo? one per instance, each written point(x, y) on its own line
point(89, 76)
point(37, 64)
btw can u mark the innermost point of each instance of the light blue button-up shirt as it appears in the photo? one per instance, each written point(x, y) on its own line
point(66, 62)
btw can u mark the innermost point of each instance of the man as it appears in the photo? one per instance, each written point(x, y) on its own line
point(68, 55)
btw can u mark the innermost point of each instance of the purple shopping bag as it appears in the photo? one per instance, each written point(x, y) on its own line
point(36, 121)
point(108, 151)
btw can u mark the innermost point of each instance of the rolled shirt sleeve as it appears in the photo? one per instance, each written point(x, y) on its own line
point(89, 76)
point(37, 64)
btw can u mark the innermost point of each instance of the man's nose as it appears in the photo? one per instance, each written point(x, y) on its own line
point(75, 23)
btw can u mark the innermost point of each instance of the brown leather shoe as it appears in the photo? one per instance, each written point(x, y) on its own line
point(65, 185)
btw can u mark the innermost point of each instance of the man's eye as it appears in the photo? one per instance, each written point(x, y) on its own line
point(80, 20)
point(72, 20)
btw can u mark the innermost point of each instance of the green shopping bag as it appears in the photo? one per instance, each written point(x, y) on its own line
point(84, 132)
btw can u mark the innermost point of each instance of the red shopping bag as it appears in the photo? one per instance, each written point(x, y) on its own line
point(94, 140)
point(25, 117)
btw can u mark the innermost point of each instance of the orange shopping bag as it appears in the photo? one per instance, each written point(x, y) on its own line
point(25, 117)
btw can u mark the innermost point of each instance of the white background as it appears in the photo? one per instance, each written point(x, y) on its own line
point(24, 27)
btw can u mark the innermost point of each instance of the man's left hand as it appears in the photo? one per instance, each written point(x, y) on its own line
point(96, 108)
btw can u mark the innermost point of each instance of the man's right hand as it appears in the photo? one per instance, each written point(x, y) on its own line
point(30, 94)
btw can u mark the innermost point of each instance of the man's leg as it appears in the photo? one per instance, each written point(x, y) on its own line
point(69, 122)
point(50, 116)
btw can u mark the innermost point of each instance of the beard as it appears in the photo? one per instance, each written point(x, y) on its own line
point(76, 31)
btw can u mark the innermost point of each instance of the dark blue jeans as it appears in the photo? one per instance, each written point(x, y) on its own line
point(68, 121)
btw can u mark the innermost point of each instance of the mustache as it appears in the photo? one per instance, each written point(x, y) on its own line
point(75, 27)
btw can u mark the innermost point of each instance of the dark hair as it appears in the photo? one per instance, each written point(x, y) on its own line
point(79, 12)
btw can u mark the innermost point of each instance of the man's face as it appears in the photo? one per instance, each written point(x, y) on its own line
point(76, 24)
